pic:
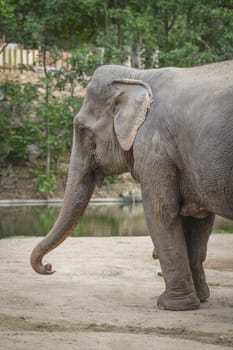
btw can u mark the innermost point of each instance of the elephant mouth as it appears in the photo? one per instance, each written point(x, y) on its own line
point(99, 177)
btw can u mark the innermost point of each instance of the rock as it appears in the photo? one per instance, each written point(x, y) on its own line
point(131, 196)
point(34, 152)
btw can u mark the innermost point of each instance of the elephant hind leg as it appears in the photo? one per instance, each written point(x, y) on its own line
point(197, 232)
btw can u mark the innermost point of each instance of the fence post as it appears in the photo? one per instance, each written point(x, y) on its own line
point(3, 59)
point(10, 58)
point(15, 58)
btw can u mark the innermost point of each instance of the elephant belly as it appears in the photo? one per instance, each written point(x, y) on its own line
point(207, 194)
point(194, 210)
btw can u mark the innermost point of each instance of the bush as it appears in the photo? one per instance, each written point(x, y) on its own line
point(17, 108)
point(46, 185)
point(31, 114)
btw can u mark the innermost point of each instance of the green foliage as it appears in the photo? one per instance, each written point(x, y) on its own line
point(57, 116)
point(17, 111)
point(18, 98)
point(186, 32)
point(46, 184)
point(83, 62)
point(194, 32)
point(109, 180)
point(113, 54)
point(6, 9)
point(15, 144)
point(51, 22)
point(31, 114)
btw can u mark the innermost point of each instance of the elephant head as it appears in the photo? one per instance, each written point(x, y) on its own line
point(115, 106)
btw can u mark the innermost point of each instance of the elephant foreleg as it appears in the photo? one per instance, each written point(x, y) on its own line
point(197, 232)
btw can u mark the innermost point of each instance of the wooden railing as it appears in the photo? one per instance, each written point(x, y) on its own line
point(14, 58)
point(11, 59)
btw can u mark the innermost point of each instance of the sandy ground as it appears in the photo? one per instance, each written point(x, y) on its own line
point(103, 296)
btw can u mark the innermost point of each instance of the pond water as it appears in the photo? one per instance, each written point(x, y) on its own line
point(98, 220)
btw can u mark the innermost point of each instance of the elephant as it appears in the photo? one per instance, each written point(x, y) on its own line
point(172, 129)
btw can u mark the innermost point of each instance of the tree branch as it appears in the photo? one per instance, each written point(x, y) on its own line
point(3, 48)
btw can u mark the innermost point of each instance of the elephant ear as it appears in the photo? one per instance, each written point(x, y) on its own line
point(132, 103)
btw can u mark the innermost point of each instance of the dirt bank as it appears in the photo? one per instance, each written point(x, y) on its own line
point(103, 297)
point(18, 182)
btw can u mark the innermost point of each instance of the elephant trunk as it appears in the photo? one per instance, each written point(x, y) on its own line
point(79, 188)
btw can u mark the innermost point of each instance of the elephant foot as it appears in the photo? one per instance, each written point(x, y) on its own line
point(202, 288)
point(166, 301)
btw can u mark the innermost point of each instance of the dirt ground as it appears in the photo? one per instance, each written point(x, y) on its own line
point(103, 296)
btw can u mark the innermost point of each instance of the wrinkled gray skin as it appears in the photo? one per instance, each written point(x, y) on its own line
point(172, 129)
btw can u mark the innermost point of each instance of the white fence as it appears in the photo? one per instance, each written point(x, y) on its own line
point(13, 58)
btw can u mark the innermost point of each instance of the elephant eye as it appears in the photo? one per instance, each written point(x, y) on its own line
point(83, 128)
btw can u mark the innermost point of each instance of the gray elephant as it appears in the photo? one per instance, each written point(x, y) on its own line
point(172, 129)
